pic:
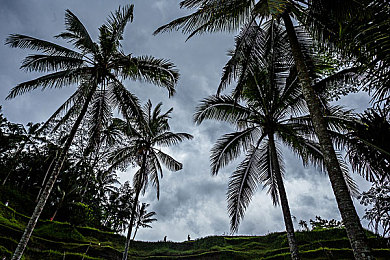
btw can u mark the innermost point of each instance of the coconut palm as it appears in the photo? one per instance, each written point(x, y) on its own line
point(145, 135)
point(144, 218)
point(269, 92)
point(97, 68)
point(359, 29)
point(212, 16)
point(369, 145)
point(271, 96)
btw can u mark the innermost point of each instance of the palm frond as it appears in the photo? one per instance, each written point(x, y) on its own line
point(160, 72)
point(212, 16)
point(168, 138)
point(78, 34)
point(98, 119)
point(153, 171)
point(46, 63)
point(229, 147)
point(248, 52)
point(74, 99)
point(57, 80)
point(353, 187)
point(127, 102)
point(169, 161)
point(27, 42)
point(267, 171)
point(296, 138)
point(242, 185)
point(122, 157)
point(222, 108)
point(118, 20)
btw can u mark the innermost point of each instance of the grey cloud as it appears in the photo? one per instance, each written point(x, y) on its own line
point(191, 201)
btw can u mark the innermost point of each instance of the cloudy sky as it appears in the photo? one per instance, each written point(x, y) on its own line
point(191, 201)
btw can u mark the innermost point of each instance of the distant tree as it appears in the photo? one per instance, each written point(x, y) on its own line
point(378, 199)
point(143, 138)
point(303, 225)
point(143, 218)
point(117, 210)
point(98, 69)
point(320, 223)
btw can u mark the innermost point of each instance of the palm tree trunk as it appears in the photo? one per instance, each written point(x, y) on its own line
point(283, 201)
point(13, 165)
point(58, 207)
point(134, 208)
point(128, 237)
point(50, 183)
point(350, 218)
point(135, 231)
point(6, 177)
point(44, 178)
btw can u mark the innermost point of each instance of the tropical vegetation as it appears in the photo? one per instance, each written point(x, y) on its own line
point(291, 61)
point(98, 69)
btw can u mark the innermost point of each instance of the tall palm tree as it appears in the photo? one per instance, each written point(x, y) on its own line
point(230, 15)
point(98, 69)
point(271, 96)
point(145, 136)
point(144, 218)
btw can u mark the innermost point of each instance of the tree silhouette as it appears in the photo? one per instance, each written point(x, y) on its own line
point(214, 16)
point(97, 68)
point(144, 137)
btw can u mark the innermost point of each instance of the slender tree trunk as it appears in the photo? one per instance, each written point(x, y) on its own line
point(354, 229)
point(284, 201)
point(129, 230)
point(50, 183)
point(58, 207)
point(135, 231)
point(134, 208)
point(13, 166)
point(44, 179)
point(6, 177)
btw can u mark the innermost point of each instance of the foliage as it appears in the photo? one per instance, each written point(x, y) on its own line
point(320, 223)
point(144, 218)
point(369, 145)
point(266, 102)
point(377, 198)
point(82, 194)
point(141, 147)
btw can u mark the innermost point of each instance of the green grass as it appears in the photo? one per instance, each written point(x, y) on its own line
point(57, 240)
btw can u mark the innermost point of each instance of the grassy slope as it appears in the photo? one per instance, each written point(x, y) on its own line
point(56, 240)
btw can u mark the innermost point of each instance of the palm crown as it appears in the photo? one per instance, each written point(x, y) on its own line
point(145, 136)
point(97, 67)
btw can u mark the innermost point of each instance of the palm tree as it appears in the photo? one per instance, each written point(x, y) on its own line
point(212, 16)
point(369, 145)
point(145, 135)
point(144, 218)
point(272, 96)
point(98, 69)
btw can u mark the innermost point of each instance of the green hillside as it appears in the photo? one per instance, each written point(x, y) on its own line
point(57, 240)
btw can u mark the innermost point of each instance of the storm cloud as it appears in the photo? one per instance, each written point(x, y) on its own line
point(191, 201)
